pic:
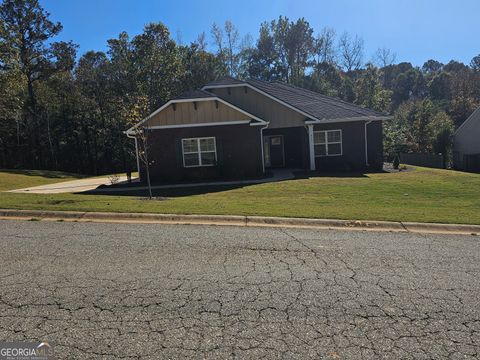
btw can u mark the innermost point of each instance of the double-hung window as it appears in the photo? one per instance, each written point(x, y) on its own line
point(199, 152)
point(328, 142)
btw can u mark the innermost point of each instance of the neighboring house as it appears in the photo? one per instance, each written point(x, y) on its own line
point(238, 129)
point(466, 144)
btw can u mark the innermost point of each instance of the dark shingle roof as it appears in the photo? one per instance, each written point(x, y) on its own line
point(226, 80)
point(309, 102)
point(194, 94)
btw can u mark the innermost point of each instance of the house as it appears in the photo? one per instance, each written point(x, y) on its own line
point(240, 128)
point(466, 144)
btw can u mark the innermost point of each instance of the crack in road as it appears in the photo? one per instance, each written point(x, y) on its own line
point(161, 291)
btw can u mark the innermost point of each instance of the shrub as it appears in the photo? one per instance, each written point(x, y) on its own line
point(396, 162)
point(114, 179)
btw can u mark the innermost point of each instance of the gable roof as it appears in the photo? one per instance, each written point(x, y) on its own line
point(312, 104)
point(475, 116)
point(225, 81)
point(193, 96)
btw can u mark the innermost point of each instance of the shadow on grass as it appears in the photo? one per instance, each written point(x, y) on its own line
point(43, 173)
point(207, 189)
point(333, 174)
point(167, 193)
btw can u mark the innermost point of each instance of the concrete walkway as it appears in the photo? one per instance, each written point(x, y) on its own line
point(278, 175)
point(68, 186)
point(92, 184)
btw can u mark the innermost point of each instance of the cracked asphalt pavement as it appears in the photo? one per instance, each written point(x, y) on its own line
point(155, 291)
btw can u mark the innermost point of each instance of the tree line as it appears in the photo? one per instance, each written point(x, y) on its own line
point(62, 111)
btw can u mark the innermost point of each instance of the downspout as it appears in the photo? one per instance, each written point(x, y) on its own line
point(366, 143)
point(136, 151)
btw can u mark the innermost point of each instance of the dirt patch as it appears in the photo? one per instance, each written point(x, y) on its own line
point(388, 167)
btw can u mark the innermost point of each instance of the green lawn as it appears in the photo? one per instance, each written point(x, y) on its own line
point(427, 195)
point(18, 179)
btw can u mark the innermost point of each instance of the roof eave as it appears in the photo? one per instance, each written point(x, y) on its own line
point(349, 119)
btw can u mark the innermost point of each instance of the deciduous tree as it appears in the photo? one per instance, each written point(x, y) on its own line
point(350, 51)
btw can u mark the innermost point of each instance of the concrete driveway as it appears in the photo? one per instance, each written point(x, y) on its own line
point(91, 184)
point(69, 186)
point(105, 291)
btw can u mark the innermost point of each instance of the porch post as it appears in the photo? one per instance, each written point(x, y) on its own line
point(136, 153)
point(311, 147)
point(261, 145)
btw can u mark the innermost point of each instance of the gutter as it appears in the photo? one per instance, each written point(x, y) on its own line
point(130, 136)
point(261, 144)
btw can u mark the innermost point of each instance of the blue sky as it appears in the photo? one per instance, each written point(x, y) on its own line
point(416, 30)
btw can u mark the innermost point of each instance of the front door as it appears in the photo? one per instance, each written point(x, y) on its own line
point(273, 150)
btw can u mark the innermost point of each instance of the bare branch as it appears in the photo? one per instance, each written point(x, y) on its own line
point(202, 41)
point(142, 138)
point(325, 46)
point(217, 35)
point(384, 57)
point(232, 37)
point(351, 51)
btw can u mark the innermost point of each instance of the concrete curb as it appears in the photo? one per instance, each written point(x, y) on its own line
point(124, 217)
point(442, 228)
point(239, 220)
point(324, 223)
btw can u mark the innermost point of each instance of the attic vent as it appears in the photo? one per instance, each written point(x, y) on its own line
point(195, 105)
point(245, 89)
point(229, 91)
point(216, 104)
point(174, 107)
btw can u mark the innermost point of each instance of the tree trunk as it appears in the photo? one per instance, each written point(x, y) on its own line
point(88, 148)
point(50, 144)
point(35, 139)
point(95, 153)
point(147, 167)
point(3, 151)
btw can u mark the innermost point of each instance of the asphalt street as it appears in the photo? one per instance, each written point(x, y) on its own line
point(95, 290)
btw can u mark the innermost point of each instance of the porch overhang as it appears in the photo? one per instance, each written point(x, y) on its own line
point(349, 119)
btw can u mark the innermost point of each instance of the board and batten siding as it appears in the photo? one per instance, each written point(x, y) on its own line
point(466, 144)
point(238, 153)
point(467, 138)
point(278, 115)
point(206, 112)
point(353, 147)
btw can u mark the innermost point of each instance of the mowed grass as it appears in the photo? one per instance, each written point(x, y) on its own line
point(19, 179)
point(425, 195)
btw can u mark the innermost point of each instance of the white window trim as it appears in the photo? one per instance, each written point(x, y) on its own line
point(326, 143)
point(199, 152)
